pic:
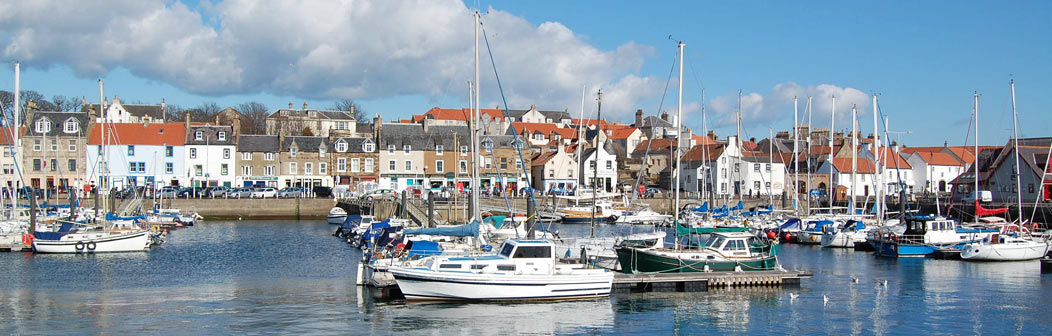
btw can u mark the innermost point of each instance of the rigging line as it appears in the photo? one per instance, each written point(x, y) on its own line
point(650, 140)
point(898, 171)
point(8, 137)
point(507, 114)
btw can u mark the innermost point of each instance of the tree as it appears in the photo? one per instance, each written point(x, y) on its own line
point(7, 98)
point(307, 132)
point(350, 106)
point(175, 112)
point(65, 104)
point(255, 114)
point(204, 113)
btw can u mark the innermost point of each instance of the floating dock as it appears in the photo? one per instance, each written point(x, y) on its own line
point(702, 281)
point(17, 247)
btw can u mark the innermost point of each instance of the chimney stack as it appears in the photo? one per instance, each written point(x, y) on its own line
point(237, 125)
point(164, 111)
point(186, 120)
point(290, 104)
point(304, 106)
point(664, 116)
point(639, 118)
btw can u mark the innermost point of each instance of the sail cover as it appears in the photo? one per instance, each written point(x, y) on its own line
point(981, 211)
point(466, 230)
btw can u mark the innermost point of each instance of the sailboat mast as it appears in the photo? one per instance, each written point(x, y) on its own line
point(475, 116)
point(879, 193)
point(704, 146)
point(796, 150)
point(14, 147)
point(595, 162)
point(975, 165)
point(679, 130)
point(854, 157)
point(580, 148)
point(770, 164)
point(1015, 136)
point(809, 182)
point(832, 122)
point(101, 206)
point(738, 164)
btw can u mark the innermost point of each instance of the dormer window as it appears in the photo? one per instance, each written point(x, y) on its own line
point(390, 149)
point(222, 136)
point(407, 148)
point(293, 150)
point(321, 149)
point(70, 126)
point(199, 135)
point(341, 146)
point(463, 150)
point(439, 149)
point(43, 125)
point(368, 146)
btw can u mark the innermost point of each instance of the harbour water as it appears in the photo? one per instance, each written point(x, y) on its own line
point(224, 277)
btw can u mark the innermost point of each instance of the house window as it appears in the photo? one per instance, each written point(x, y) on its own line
point(54, 145)
point(169, 168)
point(268, 156)
point(43, 126)
point(439, 149)
point(226, 153)
point(463, 165)
point(768, 165)
point(323, 168)
point(268, 170)
point(390, 149)
point(70, 126)
point(591, 164)
point(504, 163)
point(737, 167)
point(168, 151)
point(1030, 188)
point(224, 169)
point(756, 168)
point(341, 164)
point(293, 168)
point(463, 150)
point(36, 145)
point(199, 135)
point(408, 165)
point(246, 156)
point(54, 164)
point(198, 170)
point(131, 150)
point(439, 166)
point(222, 136)
point(368, 165)
point(756, 185)
point(354, 165)
point(391, 165)
point(368, 147)
point(193, 153)
point(132, 167)
point(723, 173)
point(407, 148)
point(72, 146)
point(341, 147)
point(609, 164)
point(72, 165)
point(293, 150)
point(518, 163)
point(569, 173)
point(489, 163)
point(551, 172)
point(340, 125)
point(36, 164)
point(246, 170)
point(767, 185)
point(321, 150)
point(7, 151)
point(308, 168)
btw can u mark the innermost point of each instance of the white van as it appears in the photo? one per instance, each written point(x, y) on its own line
point(984, 196)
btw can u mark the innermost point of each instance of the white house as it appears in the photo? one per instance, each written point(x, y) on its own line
point(555, 170)
point(150, 155)
point(119, 113)
point(933, 171)
point(761, 176)
point(841, 168)
point(210, 155)
point(602, 177)
point(11, 149)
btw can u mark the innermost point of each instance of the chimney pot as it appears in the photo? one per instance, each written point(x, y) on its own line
point(304, 106)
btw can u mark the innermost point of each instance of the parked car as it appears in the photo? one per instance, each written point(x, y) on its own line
point(191, 192)
point(264, 192)
point(322, 192)
point(378, 193)
point(217, 191)
point(525, 190)
point(289, 192)
point(245, 192)
point(169, 191)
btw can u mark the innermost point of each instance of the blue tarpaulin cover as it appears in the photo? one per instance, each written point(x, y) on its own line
point(423, 248)
point(466, 230)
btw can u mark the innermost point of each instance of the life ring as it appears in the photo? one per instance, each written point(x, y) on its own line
point(894, 238)
point(90, 246)
point(155, 228)
point(79, 246)
point(27, 239)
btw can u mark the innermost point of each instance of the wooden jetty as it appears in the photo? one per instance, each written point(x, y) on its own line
point(702, 281)
point(15, 247)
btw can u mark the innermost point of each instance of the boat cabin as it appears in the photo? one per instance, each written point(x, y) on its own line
point(923, 225)
point(736, 244)
point(515, 256)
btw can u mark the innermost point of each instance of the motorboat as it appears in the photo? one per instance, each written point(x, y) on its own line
point(337, 215)
point(521, 270)
point(723, 251)
point(923, 235)
point(846, 235)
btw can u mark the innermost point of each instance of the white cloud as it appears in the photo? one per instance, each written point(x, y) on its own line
point(777, 105)
point(324, 49)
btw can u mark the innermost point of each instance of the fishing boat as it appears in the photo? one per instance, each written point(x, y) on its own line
point(923, 235)
point(337, 215)
point(522, 270)
point(723, 251)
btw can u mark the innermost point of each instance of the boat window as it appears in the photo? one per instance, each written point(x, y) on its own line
point(714, 242)
point(505, 267)
point(477, 267)
point(734, 245)
point(449, 266)
point(506, 250)
point(533, 252)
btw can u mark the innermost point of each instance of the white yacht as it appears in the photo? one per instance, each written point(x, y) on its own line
point(1001, 247)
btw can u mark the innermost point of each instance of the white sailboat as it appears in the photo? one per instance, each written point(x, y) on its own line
point(1003, 247)
point(107, 235)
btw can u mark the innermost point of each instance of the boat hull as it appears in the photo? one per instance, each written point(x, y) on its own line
point(419, 284)
point(586, 220)
point(95, 243)
point(1004, 252)
point(337, 219)
point(634, 260)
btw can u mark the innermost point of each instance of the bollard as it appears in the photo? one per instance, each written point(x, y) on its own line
point(430, 209)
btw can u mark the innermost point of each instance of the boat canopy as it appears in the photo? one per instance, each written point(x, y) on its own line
point(466, 230)
point(683, 230)
point(62, 231)
point(422, 248)
point(791, 224)
point(703, 208)
point(497, 221)
point(110, 216)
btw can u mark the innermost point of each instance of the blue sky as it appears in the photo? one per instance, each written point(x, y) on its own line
point(924, 59)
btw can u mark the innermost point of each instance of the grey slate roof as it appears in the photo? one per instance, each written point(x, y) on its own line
point(653, 121)
point(354, 144)
point(322, 114)
point(448, 136)
point(399, 135)
point(58, 120)
point(305, 144)
point(140, 110)
point(258, 143)
point(555, 116)
point(210, 135)
point(364, 127)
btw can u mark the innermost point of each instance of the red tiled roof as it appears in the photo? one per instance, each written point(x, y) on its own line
point(621, 133)
point(703, 153)
point(658, 144)
point(911, 150)
point(748, 145)
point(702, 140)
point(546, 129)
point(541, 159)
point(462, 114)
point(7, 136)
point(938, 159)
point(893, 160)
point(138, 134)
point(864, 166)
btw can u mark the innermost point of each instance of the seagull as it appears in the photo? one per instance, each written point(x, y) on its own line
point(793, 296)
point(825, 300)
point(885, 283)
point(854, 279)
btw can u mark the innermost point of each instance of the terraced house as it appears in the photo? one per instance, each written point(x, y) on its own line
point(53, 149)
point(304, 162)
point(401, 155)
point(210, 153)
point(446, 158)
point(149, 155)
point(257, 160)
point(354, 160)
